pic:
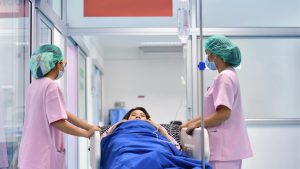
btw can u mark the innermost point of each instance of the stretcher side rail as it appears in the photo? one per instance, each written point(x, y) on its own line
point(95, 150)
point(191, 144)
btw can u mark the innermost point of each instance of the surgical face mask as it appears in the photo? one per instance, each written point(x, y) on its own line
point(60, 74)
point(210, 65)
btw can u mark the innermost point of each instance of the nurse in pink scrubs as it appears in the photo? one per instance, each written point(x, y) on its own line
point(46, 118)
point(223, 113)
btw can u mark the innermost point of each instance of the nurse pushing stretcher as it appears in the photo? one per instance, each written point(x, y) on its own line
point(223, 113)
point(46, 118)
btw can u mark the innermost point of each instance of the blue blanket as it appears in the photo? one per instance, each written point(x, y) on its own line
point(136, 144)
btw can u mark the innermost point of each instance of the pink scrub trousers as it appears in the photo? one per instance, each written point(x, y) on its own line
point(3, 156)
point(236, 164)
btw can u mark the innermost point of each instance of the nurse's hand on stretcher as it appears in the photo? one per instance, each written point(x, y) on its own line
point(91, 131)
point(184, 125)
point(190, 125)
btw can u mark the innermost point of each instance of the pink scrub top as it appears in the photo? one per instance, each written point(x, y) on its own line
point(228, 141)
point(42, 145)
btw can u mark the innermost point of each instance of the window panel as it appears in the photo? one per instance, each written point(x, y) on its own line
point(268, 77)
point(255, 13)
point(15, 48)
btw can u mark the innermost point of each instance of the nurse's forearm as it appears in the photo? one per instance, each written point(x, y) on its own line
point(213, 120)
point(78, 122)
point(195, 119)
point(66, 127)
point(217, 118)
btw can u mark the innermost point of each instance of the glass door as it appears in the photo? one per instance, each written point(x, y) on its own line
point(71, 99)
point(82, 113)
point(97, 96)
point(15, 23)
point(45, 33)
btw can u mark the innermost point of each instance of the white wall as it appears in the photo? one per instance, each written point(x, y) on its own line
point(274, 147)
point(156, 79)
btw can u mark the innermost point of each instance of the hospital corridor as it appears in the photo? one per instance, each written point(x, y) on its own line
point(149, 84)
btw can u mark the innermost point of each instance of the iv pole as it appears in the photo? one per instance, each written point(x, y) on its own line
point(201, 83)
point(184, 34)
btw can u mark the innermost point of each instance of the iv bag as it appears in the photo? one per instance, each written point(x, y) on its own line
point(183, 16)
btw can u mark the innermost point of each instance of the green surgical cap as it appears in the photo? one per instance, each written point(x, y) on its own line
point(224, 48)
point(43, 60)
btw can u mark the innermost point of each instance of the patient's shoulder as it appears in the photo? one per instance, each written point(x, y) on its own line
point(172, 130)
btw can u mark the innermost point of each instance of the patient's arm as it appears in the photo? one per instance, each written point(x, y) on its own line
point(164, 132)
point(169, 137)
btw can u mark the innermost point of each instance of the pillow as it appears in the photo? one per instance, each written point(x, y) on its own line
point(104, 128)
point(172, 130)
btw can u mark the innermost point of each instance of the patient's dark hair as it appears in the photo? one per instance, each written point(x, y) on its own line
point(126, 117)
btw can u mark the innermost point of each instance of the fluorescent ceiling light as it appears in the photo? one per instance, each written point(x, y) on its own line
point(161, 47)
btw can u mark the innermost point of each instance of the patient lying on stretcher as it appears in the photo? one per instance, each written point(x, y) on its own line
point(140, 113)
point(137, 142)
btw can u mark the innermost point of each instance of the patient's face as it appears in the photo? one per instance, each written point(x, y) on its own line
point(137, 115)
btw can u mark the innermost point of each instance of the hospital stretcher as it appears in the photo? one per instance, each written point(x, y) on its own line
point(191, 145)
